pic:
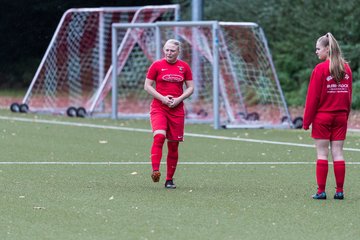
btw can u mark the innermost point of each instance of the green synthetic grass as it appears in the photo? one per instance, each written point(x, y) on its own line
point(12, 92)
point(212, 201)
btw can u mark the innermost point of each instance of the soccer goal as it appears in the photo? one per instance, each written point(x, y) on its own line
point(79, 56)
point(235, 79)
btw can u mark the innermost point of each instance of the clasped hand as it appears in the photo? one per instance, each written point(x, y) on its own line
point(170, 101)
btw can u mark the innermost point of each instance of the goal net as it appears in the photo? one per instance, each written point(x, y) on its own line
point(79, 55)
point(235, 80)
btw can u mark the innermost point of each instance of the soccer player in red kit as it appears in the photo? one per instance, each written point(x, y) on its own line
point(167, 114)
point(327, 109)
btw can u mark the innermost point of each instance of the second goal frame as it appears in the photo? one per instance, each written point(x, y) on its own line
point(158, 25)
point(235, 78)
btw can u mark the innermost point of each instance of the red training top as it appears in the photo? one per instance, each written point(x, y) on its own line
point(325, 95)
point(169, 78)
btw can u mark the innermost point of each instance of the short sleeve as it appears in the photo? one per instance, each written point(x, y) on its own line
point(188, 75)
point(152, 71)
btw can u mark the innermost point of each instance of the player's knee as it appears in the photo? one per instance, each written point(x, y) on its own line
point(336, 157)
point(159, 139)
point(173, 146)
point(337, 154)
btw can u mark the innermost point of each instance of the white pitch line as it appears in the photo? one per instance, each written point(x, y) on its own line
point(149, 131)
point(74, 124)
point(180, 163)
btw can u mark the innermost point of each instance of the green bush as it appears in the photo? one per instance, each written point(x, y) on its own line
point(356, 89)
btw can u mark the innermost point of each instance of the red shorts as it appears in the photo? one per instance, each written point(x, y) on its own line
point(170, 120)
point(331, 126)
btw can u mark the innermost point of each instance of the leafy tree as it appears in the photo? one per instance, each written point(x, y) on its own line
point(292, 28)
point(27, 27)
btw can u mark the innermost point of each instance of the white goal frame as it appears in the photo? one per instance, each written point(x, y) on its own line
point(218, 81)
point(46, 93)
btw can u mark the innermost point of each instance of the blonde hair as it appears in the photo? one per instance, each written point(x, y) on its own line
point(175, 42)
point(337, 62)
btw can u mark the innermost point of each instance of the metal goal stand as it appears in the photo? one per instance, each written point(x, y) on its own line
point(235, 79)
point(79, 56)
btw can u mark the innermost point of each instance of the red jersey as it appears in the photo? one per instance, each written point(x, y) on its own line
point(325, 95)
point(169, 78)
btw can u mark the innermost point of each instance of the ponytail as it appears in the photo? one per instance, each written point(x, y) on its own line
point(337, 62)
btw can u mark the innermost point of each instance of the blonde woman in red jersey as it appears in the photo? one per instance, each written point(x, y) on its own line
point(167, 114)
point(327, 109)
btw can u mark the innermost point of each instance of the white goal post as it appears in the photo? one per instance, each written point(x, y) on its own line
point(79, 56)
point(235, 79)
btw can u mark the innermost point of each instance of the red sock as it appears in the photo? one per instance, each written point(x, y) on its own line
point(339, 171)
point(156, 151)
point(172, 159)
point(321, 174)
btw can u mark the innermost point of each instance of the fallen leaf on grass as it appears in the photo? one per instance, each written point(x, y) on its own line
point(39, 208)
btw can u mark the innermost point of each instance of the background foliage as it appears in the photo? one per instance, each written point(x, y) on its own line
point(291, 27)
point(27, 27)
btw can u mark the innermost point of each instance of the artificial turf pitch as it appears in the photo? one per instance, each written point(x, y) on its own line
point(73, 181)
